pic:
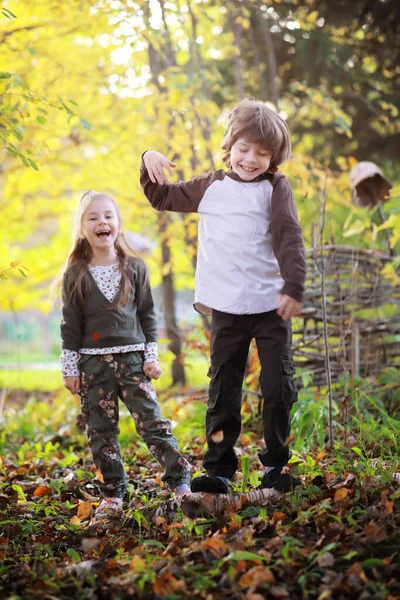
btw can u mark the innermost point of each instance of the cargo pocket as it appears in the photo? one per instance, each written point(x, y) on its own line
point(215, 374)
point(289, 390)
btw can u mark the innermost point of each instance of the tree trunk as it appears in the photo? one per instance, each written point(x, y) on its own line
point(237, 34)
point(173, 333)
point(168, 291)
point(273, 85)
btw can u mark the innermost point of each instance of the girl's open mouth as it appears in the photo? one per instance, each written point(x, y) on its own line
point(103, 234)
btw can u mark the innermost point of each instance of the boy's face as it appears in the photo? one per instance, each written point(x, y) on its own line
point(249, 159)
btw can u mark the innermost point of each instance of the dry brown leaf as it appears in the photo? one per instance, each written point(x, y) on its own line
point(326, 560)
point(138, 564)
point(75, 520)
point(252, 596)
point(215, 545)
point(42, 490)
point(167, 584)
point(256, 577)
point(218, 437)
point(160, 521)
point(356, 569)
point(279, 516)
point(246, 439)
point(277, 591)
point(341, 494)
point(84, 510)
point(290, 439)
point(99, 476)
point(90, 544)
point(374, 533)
point(388, 505)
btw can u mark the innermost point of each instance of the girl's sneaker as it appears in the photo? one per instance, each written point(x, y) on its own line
point(109, 507)
point(182, 490)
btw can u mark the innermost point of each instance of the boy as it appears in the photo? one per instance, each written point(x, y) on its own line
point(250, 276)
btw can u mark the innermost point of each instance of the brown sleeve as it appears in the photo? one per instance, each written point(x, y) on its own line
point(184, 196)
point(287, 240)
point(145, 304)
point(72, 314)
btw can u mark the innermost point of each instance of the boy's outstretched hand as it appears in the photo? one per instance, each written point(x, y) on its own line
point(152, 370)
point(288, 307)
point(155, 163)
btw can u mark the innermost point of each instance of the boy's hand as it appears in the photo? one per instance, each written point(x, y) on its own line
point(72, 383)
point(288, 307)
point(152, 370)
point(155, 163)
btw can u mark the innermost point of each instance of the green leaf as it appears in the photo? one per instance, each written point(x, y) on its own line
point(242, 555)
point(7, 13)
point(22, 273)
point(306, 379)
point(19, 491)
point(153, 543)
point(33, 164)
point(395, 495)
point(251, 511)
point(25, 161)
point(41, 120)
point(350, 555)
point(358, 451)
point(371, 562)
point(85, 124)
point(72, 553)
point(4, 75)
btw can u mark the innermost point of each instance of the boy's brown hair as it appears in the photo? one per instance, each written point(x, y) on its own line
point(258, 123)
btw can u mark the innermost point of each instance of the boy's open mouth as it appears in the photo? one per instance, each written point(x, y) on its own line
point(103, 234)
point(248, 169)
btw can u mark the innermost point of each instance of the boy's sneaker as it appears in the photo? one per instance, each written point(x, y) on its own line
point(213, 485)
point(283, 482)
point(270, 478)
point(109, 507)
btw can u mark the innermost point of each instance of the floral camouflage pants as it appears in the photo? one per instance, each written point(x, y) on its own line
point(104, 378)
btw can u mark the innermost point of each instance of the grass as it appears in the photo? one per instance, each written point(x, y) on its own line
point(49, 380)
point(31, 380)
point(43, 539)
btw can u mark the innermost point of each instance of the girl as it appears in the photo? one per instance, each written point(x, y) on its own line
point(109, 348)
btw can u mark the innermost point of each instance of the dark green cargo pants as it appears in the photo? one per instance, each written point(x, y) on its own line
point(104, 378)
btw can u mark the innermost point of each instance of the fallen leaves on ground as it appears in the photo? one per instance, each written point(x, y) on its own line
point(334, 537)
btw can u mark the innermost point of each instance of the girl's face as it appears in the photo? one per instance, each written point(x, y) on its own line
point(249, 159)
point(100, 224)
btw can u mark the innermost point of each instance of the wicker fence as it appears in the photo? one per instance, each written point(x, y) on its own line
point(363, 338)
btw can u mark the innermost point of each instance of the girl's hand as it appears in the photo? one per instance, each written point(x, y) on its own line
point(152, 370)
point(72, 383)
point(155, 163)
point(288, 307)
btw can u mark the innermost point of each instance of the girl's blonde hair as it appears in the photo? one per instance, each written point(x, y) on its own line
point(258, 123)
point(82, 252)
